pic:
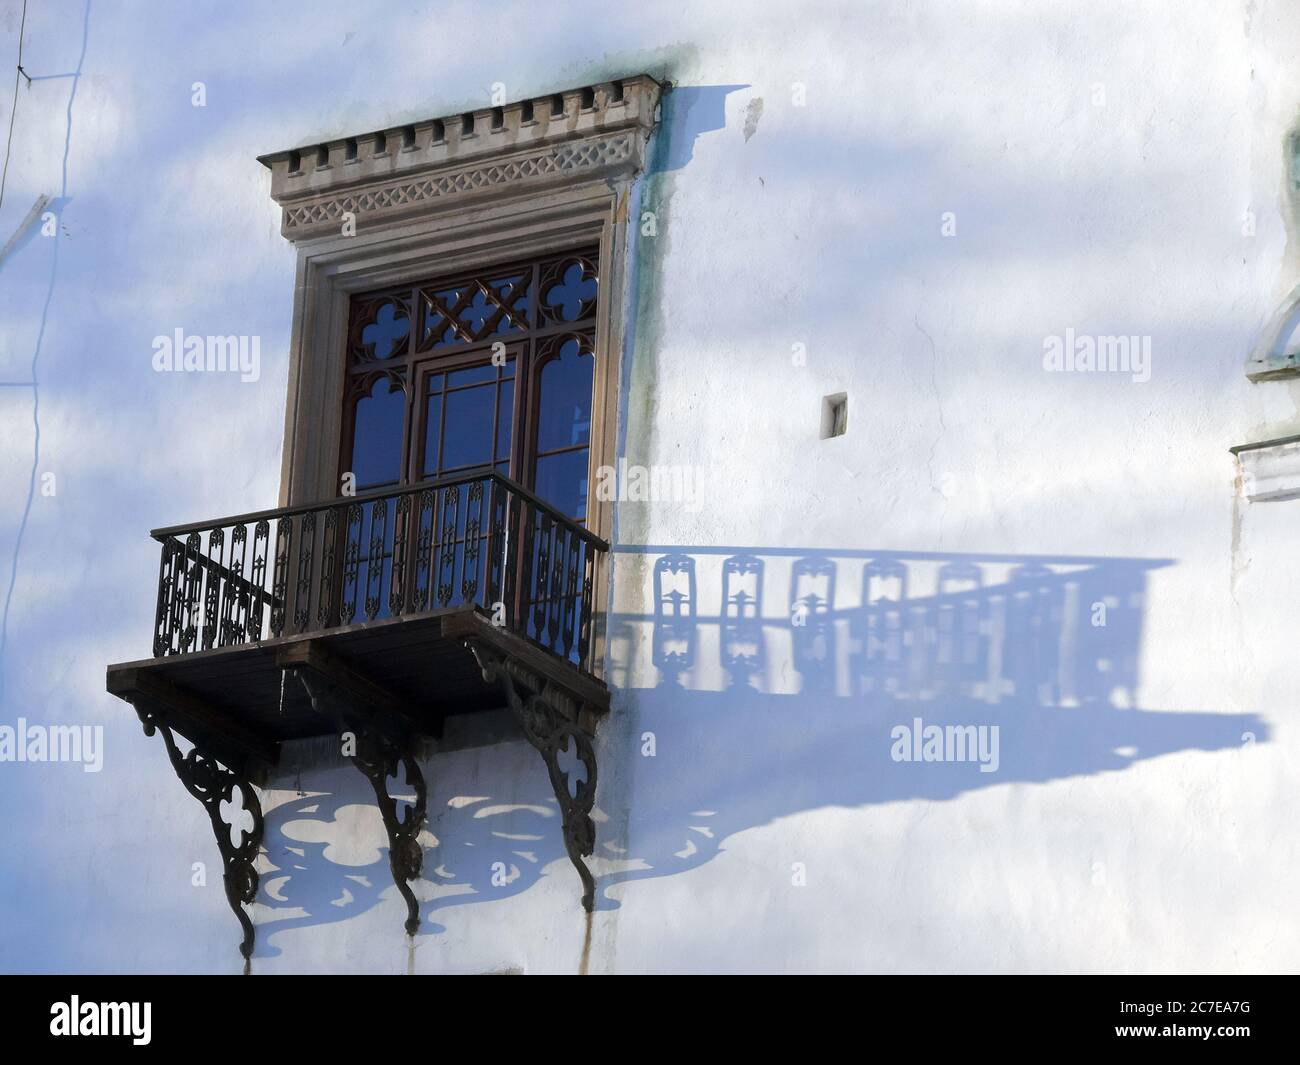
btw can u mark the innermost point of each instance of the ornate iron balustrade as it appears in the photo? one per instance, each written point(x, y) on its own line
point(388, 611)
point(477, 540)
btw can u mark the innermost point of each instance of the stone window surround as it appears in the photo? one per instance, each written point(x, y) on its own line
point(450, 195)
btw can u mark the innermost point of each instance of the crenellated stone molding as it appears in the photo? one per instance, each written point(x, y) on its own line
point(394, 174)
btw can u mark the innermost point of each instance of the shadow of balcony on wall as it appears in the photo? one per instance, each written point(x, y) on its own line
point(771, 682)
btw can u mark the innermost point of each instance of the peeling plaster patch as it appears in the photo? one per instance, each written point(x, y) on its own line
point(752, 114)
point(1239, 563)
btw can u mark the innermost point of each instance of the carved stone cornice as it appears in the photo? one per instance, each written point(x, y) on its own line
point(395, 174)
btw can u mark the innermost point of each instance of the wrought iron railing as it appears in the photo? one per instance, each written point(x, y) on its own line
point(476, 540)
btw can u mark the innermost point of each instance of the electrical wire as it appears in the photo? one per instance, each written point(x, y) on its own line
point(19, 73)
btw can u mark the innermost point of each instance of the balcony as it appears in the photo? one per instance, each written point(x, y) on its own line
point(373, 618)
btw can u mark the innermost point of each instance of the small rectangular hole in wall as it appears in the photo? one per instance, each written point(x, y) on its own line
point(467, 126)
point(617, 95)
point(835, 415)
point(439, 132)
point(408, 136)
point(350, 150)
point(498, 118)
point(557, 105)
point(526, 111)
point(381, 143)
point(322, 156)
point(588, 99)
point(295, 162)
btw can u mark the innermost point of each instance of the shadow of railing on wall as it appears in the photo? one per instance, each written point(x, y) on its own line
point(753, 684)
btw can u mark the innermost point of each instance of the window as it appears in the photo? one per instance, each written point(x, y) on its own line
point(492, 370)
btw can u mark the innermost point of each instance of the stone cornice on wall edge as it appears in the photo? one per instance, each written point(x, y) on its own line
point(394, 174)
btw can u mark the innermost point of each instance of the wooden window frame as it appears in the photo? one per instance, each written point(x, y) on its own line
point(532, 348)
point(329, 275)
point(440, 198)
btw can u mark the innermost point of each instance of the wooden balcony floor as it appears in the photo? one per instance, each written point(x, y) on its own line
point(242, 697)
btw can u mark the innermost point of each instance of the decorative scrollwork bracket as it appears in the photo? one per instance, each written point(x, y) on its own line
point(214, 782)
point(381, 749)
point(550, 719)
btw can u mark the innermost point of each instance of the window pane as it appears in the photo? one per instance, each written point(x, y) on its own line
point(467, 428)
point(564, 415)
point(472, 376)
point(505, 419)
point(432, 434)
point(377, 434)
point(562, 482)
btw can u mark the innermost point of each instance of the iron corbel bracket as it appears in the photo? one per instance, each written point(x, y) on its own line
point(383, 742)
point(550, 718)
point(213, 778)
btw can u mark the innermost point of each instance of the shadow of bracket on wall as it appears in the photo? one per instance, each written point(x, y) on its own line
point(379, 732)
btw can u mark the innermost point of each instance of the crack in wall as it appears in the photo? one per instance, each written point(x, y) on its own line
point(934, 384)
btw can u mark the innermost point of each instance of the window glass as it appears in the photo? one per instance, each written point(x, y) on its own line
point(564, 429)
point(562, 482)
point(377, 434)
point(468, 418)
point(564, 412)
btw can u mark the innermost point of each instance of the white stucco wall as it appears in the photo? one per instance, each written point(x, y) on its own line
point(1101, 170)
